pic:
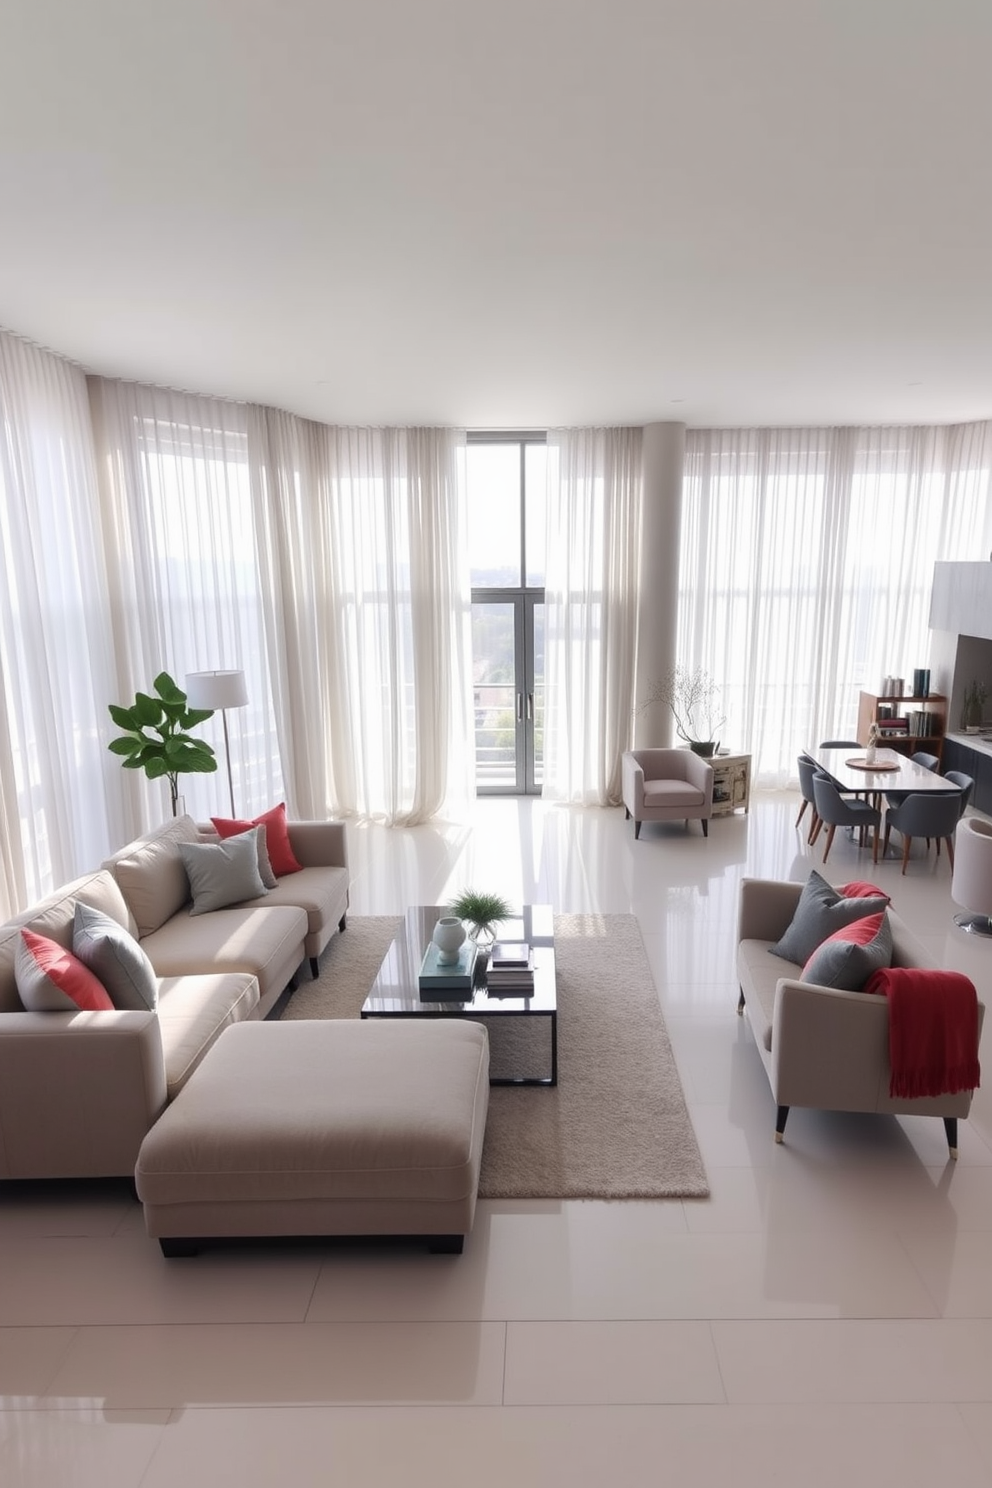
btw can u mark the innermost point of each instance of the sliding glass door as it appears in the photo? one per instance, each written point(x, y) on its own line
point(506, 504)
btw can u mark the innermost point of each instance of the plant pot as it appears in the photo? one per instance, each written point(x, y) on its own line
point(705, 747)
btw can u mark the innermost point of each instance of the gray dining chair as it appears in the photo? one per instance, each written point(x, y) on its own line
point(926, 815)
point(835, 810)
point(928, 761)
point(807, 769)
point(965, 784)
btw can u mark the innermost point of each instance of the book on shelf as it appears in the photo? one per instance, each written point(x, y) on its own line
point(440, 976)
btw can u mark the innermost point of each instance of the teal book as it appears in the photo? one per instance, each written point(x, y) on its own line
point(455, 976)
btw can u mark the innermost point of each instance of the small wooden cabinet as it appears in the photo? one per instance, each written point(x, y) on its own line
point(731, 783)
point(933, 707)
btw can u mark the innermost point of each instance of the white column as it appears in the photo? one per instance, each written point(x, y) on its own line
point(662, 460)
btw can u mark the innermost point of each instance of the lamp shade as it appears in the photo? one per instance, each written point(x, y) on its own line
point(216, 690)
point(971, 883)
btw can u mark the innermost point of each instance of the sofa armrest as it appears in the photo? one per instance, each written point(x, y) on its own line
point(319, 844)
point(766, 907)
point(632, 787)
point(78, 1092)
point(830, 1049)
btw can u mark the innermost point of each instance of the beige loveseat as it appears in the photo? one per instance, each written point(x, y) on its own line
point(822, 1047)
point(79, 1090)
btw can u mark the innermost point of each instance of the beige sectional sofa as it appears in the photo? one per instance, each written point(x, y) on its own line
point(79, 1090)
point(823, 1047)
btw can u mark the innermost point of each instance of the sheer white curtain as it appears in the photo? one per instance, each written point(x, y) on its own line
point(591, 596)
point(363, 559)
point(807, 563)
point(56, 796)
point(177, 520)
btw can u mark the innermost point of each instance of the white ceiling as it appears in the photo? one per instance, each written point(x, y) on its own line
point(513, 214)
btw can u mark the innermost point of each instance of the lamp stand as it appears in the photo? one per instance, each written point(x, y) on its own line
point(975, 924)
point(227, 752)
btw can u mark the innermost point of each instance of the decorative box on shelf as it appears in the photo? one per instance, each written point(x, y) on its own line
point(448, 981)
point(731, 783)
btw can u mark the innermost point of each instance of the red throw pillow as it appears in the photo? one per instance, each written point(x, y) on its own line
point(281, 854)
point(50, 978)
point(859, 889)
point(849, 957)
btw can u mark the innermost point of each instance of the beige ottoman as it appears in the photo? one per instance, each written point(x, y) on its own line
point(322, 1128)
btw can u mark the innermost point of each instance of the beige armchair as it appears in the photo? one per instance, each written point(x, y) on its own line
point(821, 1047)
point(667, 785)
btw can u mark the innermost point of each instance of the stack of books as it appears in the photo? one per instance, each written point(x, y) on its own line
point(511, 968)
point(448, 982)
point(895, 727)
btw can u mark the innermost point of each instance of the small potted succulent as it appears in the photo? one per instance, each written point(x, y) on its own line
point(482, 913)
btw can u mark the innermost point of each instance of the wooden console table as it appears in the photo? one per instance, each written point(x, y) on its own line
point(731, 783)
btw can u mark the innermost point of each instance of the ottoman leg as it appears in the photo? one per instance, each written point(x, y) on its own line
point(174, 1249)
point(446, 1244)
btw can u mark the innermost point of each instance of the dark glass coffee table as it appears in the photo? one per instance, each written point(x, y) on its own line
point(395, 993)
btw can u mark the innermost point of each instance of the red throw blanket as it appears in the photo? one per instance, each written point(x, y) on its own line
point(933, 1030)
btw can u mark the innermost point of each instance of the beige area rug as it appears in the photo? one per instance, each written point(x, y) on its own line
point(616, 1125)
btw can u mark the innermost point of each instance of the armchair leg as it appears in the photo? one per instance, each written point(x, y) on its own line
point(626, 813)
point(740, 1004)
point(637, 830)
point(706, 827)
point(951, 1128)
point(781, 1118)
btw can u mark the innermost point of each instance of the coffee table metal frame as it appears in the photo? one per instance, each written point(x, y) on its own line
point(395, 993)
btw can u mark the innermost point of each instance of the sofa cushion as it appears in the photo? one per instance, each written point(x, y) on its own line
point(193, 1012)
point(225, 829)
point(53, 916)
point(266, 940)
point(116, 959)
point(50, 979)
point(277, 842)
point(222, 873)
point(821, 910)
point(151, 874)
point(852, 954)
point(859, 888)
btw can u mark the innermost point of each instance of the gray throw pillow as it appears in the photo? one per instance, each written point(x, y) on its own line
point(222, 873)
point(114, 956)
point(821, 910)
point(849, 958)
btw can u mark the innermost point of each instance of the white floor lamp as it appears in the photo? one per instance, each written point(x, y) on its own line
point(218, 691)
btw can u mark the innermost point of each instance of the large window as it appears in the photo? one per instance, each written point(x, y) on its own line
point(506, 496)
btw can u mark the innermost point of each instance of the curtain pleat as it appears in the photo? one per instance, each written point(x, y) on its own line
point(591, 596)
point(362, 558)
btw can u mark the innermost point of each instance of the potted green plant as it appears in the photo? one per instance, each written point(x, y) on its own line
point(692, 697)
point(972, 713)
point(482, 913)
point(156, 737)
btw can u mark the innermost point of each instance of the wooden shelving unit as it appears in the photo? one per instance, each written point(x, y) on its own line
point(934, 705)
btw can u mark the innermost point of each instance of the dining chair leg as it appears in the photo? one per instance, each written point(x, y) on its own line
point(874, 839)
point(950, 851)
point(830, 838)
point(885, 843)
point(802, 811)
point(906, 844)
point(815, 830)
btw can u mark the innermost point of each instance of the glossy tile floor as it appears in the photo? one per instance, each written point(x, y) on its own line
point(825, 1317)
